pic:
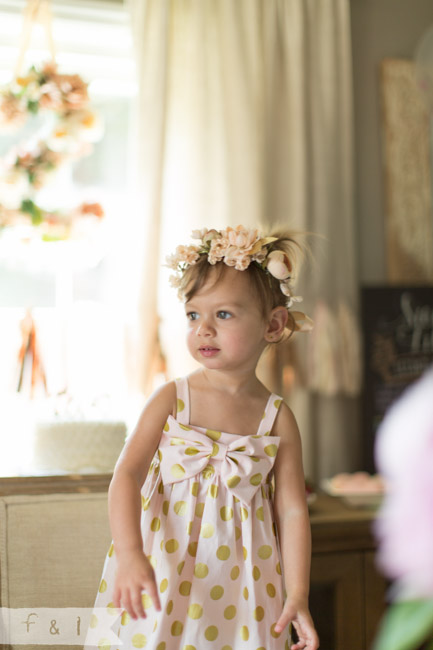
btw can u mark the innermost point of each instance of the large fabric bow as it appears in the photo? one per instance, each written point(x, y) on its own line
point(244, 463)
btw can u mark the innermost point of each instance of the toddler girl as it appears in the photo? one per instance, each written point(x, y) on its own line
point(211, 537)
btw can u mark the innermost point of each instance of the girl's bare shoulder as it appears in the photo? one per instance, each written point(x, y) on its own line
point(164, 397)
point(158, 407)
point(143, 441)
point(285, 425)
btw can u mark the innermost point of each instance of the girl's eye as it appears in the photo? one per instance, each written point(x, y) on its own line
point(224, 315)
point(192, 315)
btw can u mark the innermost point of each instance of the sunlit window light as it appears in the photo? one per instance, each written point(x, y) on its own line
point(78, 291)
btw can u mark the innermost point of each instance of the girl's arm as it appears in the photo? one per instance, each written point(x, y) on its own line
point(292, 519)
point(135, 573)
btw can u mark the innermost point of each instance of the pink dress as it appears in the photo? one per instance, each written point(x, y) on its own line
point(209, 532)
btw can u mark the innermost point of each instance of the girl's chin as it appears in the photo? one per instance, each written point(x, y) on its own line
point(209, 360)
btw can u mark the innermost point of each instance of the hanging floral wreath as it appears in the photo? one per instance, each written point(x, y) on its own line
point(68, 133)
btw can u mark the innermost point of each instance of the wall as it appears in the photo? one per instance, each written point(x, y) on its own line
point(380, 29)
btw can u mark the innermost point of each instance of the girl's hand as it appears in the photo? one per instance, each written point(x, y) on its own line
point(134, 575)
point(298, 614)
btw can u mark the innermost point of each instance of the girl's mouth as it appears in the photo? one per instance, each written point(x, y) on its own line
point(208, 351)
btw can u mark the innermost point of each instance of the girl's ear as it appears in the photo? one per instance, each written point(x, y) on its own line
point(276, 324)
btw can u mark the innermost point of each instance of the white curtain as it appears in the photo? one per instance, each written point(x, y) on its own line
point(245, 116)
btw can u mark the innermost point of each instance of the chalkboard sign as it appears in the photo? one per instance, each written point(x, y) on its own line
point(397, 325)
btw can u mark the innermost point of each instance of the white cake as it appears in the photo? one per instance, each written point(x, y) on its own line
point(78, 446)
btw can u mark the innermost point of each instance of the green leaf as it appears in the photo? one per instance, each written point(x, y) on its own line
point(27, 206)
point(37, 216)
point(47, 237)
point(30, 208)
point(32, 106)
point(406, 625)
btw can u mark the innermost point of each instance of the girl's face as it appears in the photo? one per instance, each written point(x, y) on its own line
point(227, 330)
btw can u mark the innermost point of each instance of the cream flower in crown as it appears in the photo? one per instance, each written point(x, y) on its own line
point(239, 247)
point(278, 265)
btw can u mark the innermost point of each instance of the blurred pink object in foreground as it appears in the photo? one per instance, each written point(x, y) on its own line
point(404, 456)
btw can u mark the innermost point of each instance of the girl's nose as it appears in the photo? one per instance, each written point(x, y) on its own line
point(205, 328)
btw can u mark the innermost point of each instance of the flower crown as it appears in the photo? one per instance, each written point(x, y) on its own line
point(239, 247)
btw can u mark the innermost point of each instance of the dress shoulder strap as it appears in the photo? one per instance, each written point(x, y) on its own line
point(268, 419)
point(182, 403)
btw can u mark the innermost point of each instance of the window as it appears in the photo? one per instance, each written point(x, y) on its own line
point(79, 303)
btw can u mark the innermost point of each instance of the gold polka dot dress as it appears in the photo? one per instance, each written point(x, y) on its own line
point(209, 532)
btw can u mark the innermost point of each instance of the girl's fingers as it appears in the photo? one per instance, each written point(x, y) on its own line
point(134, 599)
point(130, 598)
point(307, 635)
point(127, 605)
point(284, 619)
point(153, 593)
point(137, 603)
point(308, 638)
point(301, 645)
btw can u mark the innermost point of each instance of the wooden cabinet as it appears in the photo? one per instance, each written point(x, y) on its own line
point(337, 600)
point(347, 592)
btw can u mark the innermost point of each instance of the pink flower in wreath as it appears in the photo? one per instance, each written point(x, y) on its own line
point(238, 258)
point(183, 255)
point(404, 456)
point(243, 238)
point(218, 249)
point(278, 265)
